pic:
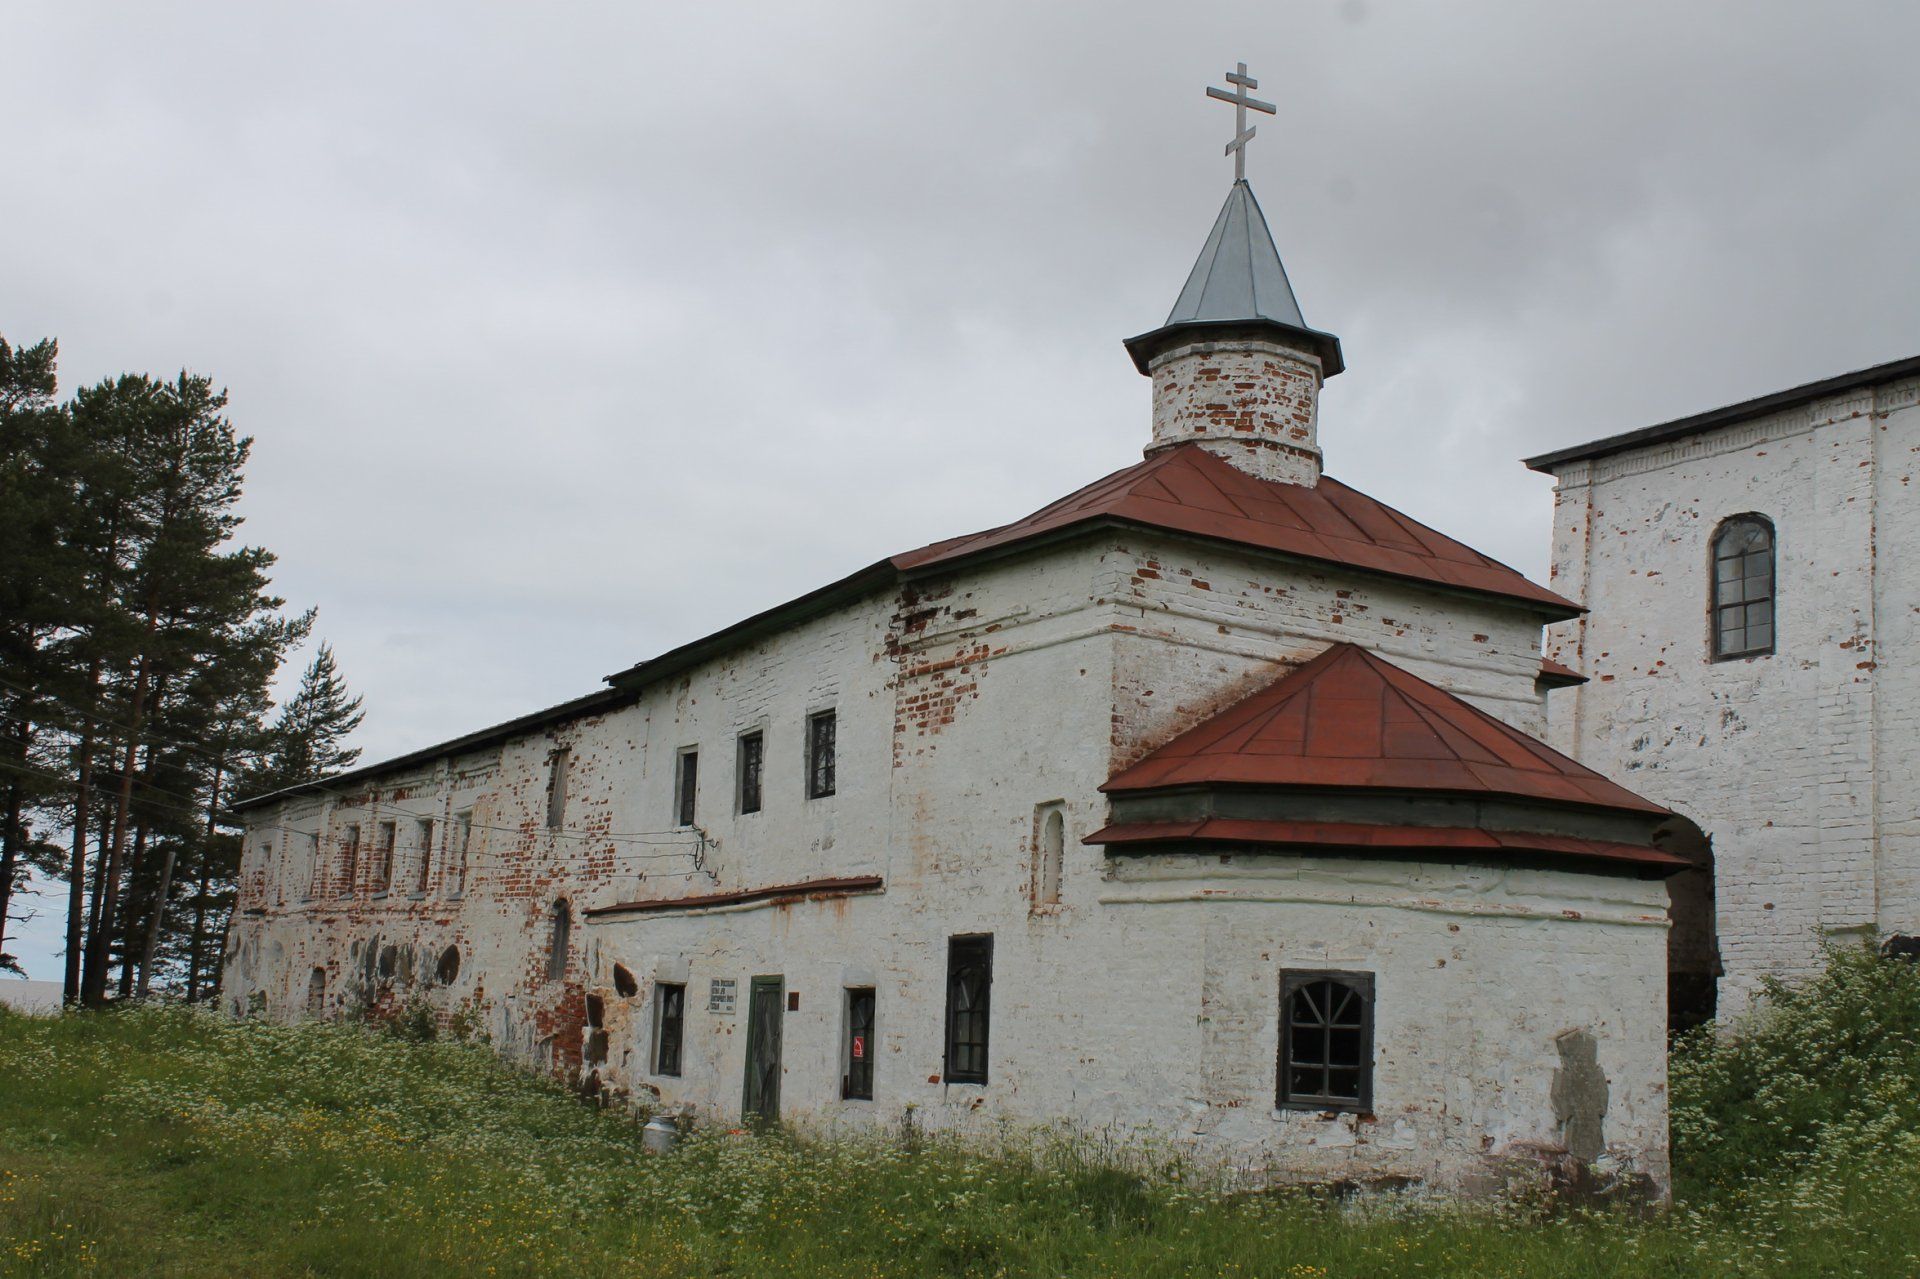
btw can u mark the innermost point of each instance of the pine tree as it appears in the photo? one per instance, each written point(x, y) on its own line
point(306, 740)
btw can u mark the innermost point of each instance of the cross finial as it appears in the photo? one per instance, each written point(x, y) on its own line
point(1241, 101)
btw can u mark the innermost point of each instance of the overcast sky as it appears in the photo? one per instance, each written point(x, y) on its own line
point(568, 333)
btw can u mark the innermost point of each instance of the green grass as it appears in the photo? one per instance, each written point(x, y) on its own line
point(159, 1142)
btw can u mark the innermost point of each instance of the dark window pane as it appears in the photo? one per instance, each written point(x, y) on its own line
point(859, 1074)
point(673, 1018)
point(1326, 1032)
point(969, 993)
point(822, 729)
point(689, 788)
point(752, 757)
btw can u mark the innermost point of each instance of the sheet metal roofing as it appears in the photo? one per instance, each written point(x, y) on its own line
point(1237, 280)
point(1350, 719)
point(1186, 489)
point(1238, 275)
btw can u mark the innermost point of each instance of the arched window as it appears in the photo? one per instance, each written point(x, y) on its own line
point(1743, 587)
point(562, 938)
point(1326, 1041)
point(1052, 858)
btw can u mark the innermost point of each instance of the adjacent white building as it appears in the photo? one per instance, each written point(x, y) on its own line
point(1204, 804)
point(1752, 612)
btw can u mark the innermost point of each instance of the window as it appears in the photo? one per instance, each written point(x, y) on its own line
point(424, 871)
point(857, 1082)
point(349, 859)
point(557, 767)
point(670, 1020)
point(969, 992)
point(562, 938)
point(686, 788)
point(383, 867)
point(1050, 856)
point(753, 754)
point(462, 845)
point(1326, 1041)
point(821, 730)
point(1743, 587)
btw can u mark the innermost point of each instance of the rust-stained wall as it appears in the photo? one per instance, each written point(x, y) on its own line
point(1799, 764)
point(1145, 999)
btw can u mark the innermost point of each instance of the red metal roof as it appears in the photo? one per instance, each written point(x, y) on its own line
point(1361, 837)
point(1186, 489)
point(1558, 675)
point(1350, 719)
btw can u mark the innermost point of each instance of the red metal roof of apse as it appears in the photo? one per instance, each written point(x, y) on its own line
point(1363, 838)
point(1351, 719)
point(1186, 489)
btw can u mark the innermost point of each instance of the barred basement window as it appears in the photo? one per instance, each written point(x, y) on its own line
point(558, 765)
point(561, 939)
point(1743, 587)
point(822, 729)
point(969, 998)
point(857, 1082)
point(1326, 1041)
point(753, 754)
point(670, 1019)
point(686, 787)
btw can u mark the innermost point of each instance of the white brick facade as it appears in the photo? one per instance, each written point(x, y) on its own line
point(1800, 765)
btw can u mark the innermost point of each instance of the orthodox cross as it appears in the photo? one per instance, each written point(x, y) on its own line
point(1241, 101)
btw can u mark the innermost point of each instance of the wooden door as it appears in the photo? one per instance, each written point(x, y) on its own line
point(760, 1103)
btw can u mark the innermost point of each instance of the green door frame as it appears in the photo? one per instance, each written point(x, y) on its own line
point(766, 1009)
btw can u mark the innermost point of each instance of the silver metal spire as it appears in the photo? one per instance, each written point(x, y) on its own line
point(1241, 101)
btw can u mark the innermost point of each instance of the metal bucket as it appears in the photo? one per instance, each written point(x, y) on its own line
point(660, 1135)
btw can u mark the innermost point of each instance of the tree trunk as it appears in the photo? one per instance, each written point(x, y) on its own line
point(199, 926)
point(127, 918)
point(11, 838)
point(98, 957)
point(166, 885)
point(77, 867)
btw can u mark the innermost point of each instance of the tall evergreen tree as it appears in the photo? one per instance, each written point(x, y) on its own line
point(306, 740)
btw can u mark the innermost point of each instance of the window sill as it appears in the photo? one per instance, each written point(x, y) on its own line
point(380, 893)
point(417, 897)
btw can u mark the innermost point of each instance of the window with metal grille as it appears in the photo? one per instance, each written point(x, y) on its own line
point(560, 940)
point(1743, 612)
point(753, 754)
point(670, 1020)
point(858, 1080)
point(969, 997)
point(686, 787)
point(383, 866)
point(559, 763)
point(349, 859)
point(425, 868)
point(821, 731)
point(1326, 1041)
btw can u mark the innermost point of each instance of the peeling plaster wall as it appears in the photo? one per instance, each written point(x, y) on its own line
point(1145, 999)
point(1799, 765)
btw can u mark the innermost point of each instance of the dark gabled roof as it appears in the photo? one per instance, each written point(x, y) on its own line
point(593, 703)
point(1351, 720)
point(1186, 489)
point(1680, 428)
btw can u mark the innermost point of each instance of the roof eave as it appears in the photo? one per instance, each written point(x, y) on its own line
point(1147, 345)
point(1728, 415)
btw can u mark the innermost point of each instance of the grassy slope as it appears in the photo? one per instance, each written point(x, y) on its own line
point(158, 1142)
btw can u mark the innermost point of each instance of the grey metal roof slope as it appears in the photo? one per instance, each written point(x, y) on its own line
point(1680, 428)
point(1238, 275)
point(1237, 282)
